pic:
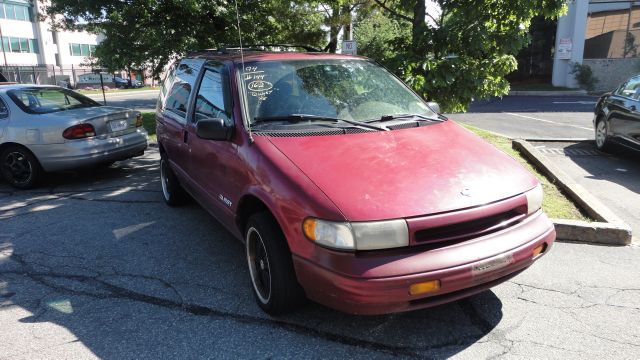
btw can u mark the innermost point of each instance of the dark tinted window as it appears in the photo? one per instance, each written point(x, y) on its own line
point(631, 88)
point(48, 100)
point(211, 101)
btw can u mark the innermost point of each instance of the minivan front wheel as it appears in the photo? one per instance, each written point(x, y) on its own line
point(275, 286)
point(172, 191)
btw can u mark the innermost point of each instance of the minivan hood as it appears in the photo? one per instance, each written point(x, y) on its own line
point(408, 172)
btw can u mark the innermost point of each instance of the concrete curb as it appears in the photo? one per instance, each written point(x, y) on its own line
point(547, 93)
point(609, 228)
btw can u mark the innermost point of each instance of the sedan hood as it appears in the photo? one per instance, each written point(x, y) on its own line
point(405, 173)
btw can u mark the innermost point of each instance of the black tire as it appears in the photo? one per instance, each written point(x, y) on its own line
point(172, 191)
point(19, 167)
point(602, 135)
point(273, 277)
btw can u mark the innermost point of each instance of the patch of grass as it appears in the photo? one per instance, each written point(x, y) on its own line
point(555, 204)
point(149, 123)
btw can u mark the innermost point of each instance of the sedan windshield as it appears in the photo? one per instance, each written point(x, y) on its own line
point(341, 89)
point(48, 100)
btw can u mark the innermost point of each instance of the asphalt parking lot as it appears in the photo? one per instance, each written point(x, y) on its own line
point(94, 264)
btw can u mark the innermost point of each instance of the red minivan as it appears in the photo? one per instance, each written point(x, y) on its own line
point(346, 187)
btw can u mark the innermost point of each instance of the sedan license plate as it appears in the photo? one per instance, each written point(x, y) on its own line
point(118, 125)
point(491, 265)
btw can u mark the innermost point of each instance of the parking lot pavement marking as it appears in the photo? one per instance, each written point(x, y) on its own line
point(569, 152)
point(576, 102)
point(549, 121)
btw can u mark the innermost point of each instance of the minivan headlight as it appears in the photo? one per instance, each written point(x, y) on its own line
point(534, 199)
point(357, 235)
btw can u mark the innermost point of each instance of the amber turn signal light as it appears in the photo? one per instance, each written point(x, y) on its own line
point(424, 287)
point(539, 250)
point(138, 120)
point(309, 228)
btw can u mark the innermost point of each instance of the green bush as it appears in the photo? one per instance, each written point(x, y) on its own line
point(584, 76)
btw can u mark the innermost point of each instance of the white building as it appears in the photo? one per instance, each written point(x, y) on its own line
point(29, 42)
point(603, 34)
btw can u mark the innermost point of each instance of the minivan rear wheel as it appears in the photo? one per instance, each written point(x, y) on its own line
point(172, 191)
point(275, 286)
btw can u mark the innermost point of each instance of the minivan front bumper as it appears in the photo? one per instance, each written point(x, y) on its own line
point(366, 283)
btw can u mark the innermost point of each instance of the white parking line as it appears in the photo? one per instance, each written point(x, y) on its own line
point(550, 122)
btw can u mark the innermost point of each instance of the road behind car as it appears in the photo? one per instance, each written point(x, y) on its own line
point(94, 265)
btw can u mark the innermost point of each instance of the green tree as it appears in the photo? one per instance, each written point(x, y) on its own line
point(382, 38)
point(463, 51)
point(151, 33)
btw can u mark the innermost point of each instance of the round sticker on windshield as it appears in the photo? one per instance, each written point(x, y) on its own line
point(260, 85)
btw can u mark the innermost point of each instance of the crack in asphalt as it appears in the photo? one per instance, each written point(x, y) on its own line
point(106, 290)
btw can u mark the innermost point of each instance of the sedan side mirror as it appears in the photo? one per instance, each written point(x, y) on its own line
point(434, 106)
point(213, 129)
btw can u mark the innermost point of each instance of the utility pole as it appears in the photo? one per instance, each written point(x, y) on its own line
point(4, 53)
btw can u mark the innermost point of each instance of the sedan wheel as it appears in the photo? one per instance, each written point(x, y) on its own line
point(602, 136)
point(19, 167)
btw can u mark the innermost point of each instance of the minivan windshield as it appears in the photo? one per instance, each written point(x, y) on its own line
point(43, 100)
point(347, 89)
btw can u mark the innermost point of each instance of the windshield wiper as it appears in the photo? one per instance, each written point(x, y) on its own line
point(309, 117)
point(405, 116)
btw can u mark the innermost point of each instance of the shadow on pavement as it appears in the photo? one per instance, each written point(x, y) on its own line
point(99, 254)
point(622, 167)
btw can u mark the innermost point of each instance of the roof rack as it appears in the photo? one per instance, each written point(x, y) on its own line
point(256, 47)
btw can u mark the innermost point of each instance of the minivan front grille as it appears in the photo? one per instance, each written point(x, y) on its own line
point(469, 229)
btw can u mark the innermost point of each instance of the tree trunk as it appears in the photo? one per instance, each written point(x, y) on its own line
point(418, 27)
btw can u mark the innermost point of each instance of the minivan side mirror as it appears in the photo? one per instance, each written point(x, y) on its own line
point(434, 106)
point(213, 129)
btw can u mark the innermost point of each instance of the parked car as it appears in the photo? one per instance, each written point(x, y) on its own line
point(617, 117)
point(344, 185)
point(49, 128)
point(127, 83)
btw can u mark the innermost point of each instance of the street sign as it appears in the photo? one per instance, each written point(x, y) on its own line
point(349, 47)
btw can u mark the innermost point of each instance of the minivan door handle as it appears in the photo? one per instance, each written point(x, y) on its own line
point(632, 108)
point(185, 136)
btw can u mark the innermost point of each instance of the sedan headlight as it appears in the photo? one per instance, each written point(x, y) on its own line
point(534, 199)
point(357, 235)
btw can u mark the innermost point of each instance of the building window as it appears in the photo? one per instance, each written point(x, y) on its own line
point(19, 45)
point(82, 49)
point(15, 12)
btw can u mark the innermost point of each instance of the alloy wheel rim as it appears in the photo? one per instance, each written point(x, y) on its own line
point(259, 268)
point(601, 133)
point(164, 180)
point(18, 167)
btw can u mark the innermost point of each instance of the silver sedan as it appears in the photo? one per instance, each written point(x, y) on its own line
point(49, 128)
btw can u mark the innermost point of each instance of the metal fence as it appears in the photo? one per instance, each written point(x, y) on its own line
point(50, 75)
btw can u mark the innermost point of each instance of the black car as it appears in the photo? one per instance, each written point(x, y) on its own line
point(126, 83)
point(617, 117)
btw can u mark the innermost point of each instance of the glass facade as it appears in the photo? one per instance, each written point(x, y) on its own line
point(19, 45)
point(13, 11)
point(82, 49)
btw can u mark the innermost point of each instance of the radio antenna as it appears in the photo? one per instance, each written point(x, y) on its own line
point(243, 68)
